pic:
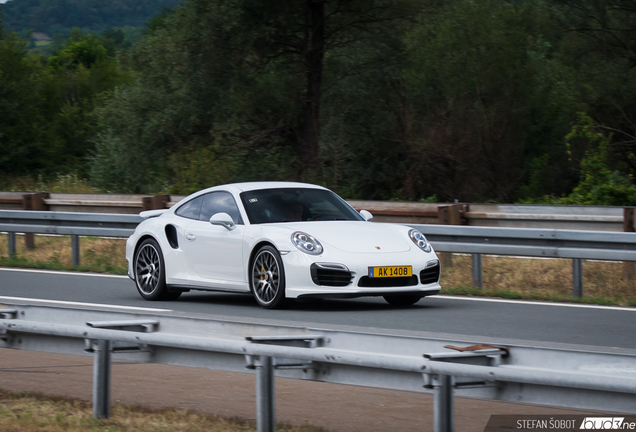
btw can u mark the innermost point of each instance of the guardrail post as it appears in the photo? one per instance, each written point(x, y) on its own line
point(75, 247)
point(629, 225)
point(12, 245)
point(477, 271)
point(155, 202)
point(449, 215)
point(101, 379)
point(33, 201)
point(443, 399)
point(265, 405)
point(577, 277)
point(29, 240)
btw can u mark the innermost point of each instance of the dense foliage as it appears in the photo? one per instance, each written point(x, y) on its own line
point(474, 100)
point(47, 120)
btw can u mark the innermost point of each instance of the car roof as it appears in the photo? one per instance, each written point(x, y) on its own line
point(250, 186)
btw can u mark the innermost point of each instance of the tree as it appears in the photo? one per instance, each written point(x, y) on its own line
point(243, 79)
point(470, 95)
point(74, 80)
point(599, 185)
point(21, 147)
point(304, 32)
point(600, 47)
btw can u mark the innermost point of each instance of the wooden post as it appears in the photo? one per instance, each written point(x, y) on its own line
point(155, 202)
point(629, 267)
point(33, 201)
point(449, 215)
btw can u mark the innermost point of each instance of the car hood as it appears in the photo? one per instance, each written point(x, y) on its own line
point(354, 236)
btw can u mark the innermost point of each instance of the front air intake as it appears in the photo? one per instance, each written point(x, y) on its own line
point(387, 282)
point(430, 275)
point(330, 275)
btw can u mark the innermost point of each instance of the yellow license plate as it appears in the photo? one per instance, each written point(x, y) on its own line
point(391, 271)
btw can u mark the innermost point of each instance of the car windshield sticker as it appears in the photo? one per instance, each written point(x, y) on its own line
point(253, 200)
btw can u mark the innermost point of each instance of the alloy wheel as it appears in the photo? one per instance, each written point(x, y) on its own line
point(266, 277)
point(148, 268)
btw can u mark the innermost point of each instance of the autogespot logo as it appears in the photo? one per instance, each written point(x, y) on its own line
point(606, 423)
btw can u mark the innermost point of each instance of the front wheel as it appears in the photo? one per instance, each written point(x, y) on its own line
point(402, 299)
point(267, 278)
point(150, 273)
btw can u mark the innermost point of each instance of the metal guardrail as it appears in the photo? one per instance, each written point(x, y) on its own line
point(575, 245)
point(69, 223)
point(559, 375)
point(570, 244)
point(79, 202)
point(532, 242)
point(66, 223)
point(594, 218)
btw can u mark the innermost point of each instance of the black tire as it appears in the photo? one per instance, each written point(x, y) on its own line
point(267, 278)
point(402, 299)
point(150, 273)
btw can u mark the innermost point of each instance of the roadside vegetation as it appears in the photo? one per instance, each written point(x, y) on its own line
point(469, 100)
point(604, 282)
point(28, 412)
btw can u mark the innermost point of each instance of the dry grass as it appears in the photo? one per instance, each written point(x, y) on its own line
point(550, 279)
point(27, 412)
point(544, 279)
point(106, 255)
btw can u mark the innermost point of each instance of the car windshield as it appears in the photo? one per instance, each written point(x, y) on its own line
point(296, 204)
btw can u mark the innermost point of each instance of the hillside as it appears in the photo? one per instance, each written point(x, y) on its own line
point(95, 16)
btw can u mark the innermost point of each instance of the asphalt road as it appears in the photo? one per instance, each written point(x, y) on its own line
point(470, 317)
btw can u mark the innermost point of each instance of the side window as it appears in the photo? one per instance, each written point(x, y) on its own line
point(220, 202)
point(191, 209)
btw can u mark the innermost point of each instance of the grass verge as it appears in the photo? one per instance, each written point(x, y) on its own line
point(28, 412)
point(604, 282)
point(97, 254)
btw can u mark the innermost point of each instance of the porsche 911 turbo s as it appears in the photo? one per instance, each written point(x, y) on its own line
point(278, 241)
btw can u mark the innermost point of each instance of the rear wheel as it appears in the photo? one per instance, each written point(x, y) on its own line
point(267, 278)
point(150, 274)
point(402, 299)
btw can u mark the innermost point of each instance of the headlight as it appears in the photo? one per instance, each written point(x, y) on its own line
point(306, 243)
point(419, 239)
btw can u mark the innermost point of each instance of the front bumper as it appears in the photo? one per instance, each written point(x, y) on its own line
point(302, 281)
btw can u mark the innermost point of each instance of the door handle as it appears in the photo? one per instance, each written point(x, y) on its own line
point(191, 237)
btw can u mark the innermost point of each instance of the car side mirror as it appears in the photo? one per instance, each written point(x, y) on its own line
point(223, 219)
point(366, 215)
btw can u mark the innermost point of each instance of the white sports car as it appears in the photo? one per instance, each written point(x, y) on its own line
point(279, 241)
